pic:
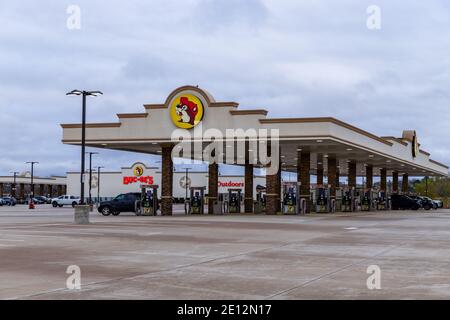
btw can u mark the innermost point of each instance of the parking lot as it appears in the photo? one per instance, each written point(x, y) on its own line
point(224, 257)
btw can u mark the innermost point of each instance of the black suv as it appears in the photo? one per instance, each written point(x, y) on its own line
point(401, 201)
point(122, 203)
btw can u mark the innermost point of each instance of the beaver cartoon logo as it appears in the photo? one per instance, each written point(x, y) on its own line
point(186, 111)
point(138, 171)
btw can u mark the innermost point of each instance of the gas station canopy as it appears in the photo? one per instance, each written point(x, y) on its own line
point(321, 137)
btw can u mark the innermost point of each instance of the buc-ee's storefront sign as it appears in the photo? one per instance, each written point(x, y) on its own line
point(186, 111)
point(231, 184)
point(138, 176)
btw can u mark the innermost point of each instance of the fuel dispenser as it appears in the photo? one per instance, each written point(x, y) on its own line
point(148, 204)
point(260, 203)
point(338, 203)
point(233, 205)
point(383, 202)
point(322, 200)
point(348, 200)
point(366, 200)
point(196, 203)
point(291, 198)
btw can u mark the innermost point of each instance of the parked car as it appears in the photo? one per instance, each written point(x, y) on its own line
point(1, 202)
point(36, 200)
point(122, 203)
point(42, 200)
point(401, 201)
point(65, 201)
point(9, 201)
point(428, 203)
point(439, 203)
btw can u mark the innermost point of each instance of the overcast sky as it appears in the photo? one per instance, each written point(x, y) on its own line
point(296, 58)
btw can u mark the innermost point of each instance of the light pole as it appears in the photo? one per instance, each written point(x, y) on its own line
point(83, 133)
point(32, 163)
point(186, 182)
point(90, 176)
point(13, 187)
point(426, 186)
point(98, 184)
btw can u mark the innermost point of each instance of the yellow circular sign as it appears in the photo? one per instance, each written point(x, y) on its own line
point(186, 111)
point(138, 171)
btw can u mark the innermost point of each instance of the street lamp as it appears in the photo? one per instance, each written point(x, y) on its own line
point(32, 163)
point(186, 182)
point(90, 175)
point(83, 133)
point(13, 187)
point(98, 184)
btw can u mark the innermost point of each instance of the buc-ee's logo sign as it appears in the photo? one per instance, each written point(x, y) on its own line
point(138, 172)
point(186, 111)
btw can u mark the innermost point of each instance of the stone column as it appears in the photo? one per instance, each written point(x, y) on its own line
point(248, 202)
point(303, 176)
point(337, 178)
point(405, 183)
point(369, 177)
point(332, 176)
point(166, 180)
point(352, 174)
point(272, 188)
point(394, 182)
point(59, 190)
point(213, 186)
point(319, 176)
point(383, 180)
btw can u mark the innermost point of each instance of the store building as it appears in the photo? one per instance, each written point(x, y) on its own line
point(129, 179)
point(325, 147)
point(19, 186)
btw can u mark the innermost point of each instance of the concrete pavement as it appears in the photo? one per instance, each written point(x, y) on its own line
point(224, 257)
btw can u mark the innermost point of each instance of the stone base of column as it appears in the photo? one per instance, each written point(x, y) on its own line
point(82, 214)
point(248, 205)
point(166, 206)
point(271, 204)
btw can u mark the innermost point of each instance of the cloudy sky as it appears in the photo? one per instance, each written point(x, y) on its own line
point(296, 58)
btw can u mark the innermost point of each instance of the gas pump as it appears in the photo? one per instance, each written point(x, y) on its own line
point(234, 201)
point(148, 204)
point(348, 200)
point(291, 198)
point(382, 203)
point(196, 204)
point(366, 200)
point(260, 203)
point(322, 200)
point(375, 196)
point(338, 203)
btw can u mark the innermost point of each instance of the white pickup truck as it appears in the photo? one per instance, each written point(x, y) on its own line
point(65, 201)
